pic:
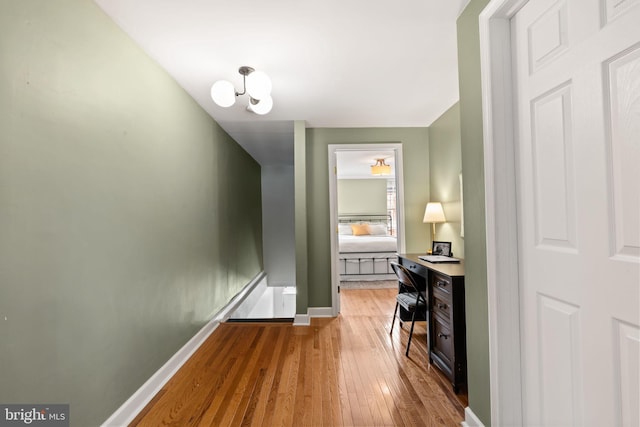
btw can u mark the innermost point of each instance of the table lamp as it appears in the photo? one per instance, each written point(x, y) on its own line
point(433, 214)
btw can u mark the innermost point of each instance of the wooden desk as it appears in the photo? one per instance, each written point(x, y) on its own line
point(447, 329)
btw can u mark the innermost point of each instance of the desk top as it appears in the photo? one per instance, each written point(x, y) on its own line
point(448, 269)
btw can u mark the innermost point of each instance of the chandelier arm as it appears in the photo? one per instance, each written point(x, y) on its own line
point(244, 71)
point(244, 86)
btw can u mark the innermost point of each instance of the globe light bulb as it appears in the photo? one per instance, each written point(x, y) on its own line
point(223, 93)
point(263, 106)
point(258, 85)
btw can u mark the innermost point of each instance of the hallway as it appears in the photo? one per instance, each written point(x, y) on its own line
point(344, 371)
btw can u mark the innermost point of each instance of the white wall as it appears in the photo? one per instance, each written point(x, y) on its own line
point(267, 302)
point(278, 225)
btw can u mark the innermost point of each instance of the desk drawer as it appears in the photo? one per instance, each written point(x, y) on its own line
point(442, 340)
point(415, 268)
point(441, 304)
point(441, 283)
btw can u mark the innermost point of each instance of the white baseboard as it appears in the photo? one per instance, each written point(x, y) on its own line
point(302, 320)
point(320, 312)
point(305, 319)
point(126, 413)
point(470, 419)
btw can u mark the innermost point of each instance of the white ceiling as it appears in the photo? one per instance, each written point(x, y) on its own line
point(355, 164)
point(333, 63)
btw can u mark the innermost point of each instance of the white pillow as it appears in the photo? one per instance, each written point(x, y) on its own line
point(378, 229)
point(345, 229)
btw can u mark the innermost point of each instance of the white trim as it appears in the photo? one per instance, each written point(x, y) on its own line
point(396, 147)
point(470, 419)
point(400, 198)
point(246, 300)
point(305, 319)
point(499, 122)
point(225, 313)
point(320, 312)
point(126, 413)
point(301, 320)
point(333, 228)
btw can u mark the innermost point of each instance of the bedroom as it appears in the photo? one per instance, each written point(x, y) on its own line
point(368, 222)
point(398, 198)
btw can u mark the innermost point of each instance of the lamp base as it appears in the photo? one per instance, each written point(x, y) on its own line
point(433, 237)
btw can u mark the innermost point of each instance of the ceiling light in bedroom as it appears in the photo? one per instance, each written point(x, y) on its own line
point(380, 168)
point(255, 83)
point(433, 214)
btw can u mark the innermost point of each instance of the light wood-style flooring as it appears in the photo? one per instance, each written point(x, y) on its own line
point(344, 371)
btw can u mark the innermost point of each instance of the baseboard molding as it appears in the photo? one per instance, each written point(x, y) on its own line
point(320, 312)
point(302, 320)
point(305, 319)
point(470, 419)
point(226, 312)
point(126, 413)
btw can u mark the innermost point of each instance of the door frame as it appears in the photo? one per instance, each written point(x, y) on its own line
point(333, 206)
point(503, 284)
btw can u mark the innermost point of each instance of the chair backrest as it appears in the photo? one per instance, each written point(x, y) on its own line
point(404, 276)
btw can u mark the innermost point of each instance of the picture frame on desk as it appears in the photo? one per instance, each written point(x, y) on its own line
point(441, 248)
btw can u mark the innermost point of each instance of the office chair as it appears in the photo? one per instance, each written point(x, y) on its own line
point(412, 301)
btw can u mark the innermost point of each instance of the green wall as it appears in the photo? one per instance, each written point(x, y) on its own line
point(415, 150)
point(121, 228)
point(474, 214)
point(300, 203)
point(445, 165)
point(362, 196)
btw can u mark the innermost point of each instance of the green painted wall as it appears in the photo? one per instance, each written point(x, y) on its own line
point(445, 165)
point(474, 215)
point(300, 206)
point(415, 147)
point(362, 196)
point(121, 228)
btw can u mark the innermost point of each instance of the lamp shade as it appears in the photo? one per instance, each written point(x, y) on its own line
point(263, 106)
point(434, 213)
point(380, 168)
point(258, 85)
point(223, 93)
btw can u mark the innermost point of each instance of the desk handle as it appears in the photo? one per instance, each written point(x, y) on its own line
point(442, 306)
point(441, 284)
point(441, 335)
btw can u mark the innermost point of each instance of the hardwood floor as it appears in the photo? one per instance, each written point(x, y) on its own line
point(344, 371)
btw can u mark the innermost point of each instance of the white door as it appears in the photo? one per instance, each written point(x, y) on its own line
point(577, 72)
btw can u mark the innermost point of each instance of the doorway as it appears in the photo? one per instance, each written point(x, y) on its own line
point(388, 218)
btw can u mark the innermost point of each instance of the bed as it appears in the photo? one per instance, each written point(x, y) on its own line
point(367, 246)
